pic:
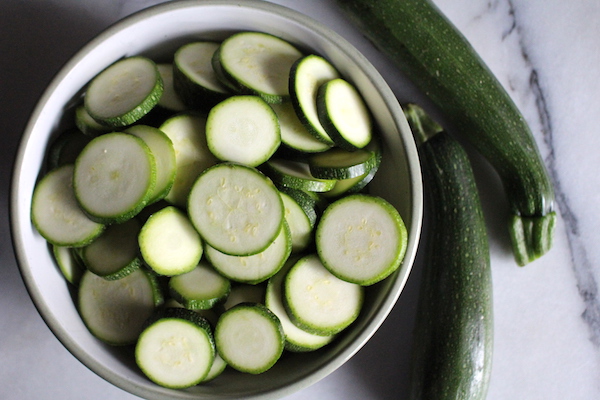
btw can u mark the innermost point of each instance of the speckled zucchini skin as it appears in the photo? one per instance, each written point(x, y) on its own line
point(454, 328)
point(433, 54)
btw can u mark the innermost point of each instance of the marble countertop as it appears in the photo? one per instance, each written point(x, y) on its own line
point(547, 315)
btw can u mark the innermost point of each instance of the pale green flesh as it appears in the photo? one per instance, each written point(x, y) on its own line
point(236, 209)
point(318, 301)
point(301, 229)
point(56, 213)
point(164, 155)
point(296, 174)
point(243, 129)
point(259, 61)
point(169, 243)
point(244, 293)
point(114, 176)
point(175, 353)
point(293, 132)
point(192, 156)
point(120, 88)
point(361, 239)
point(296, 339)
point(194, 60)
point(255, 268)
point(347, 112)
point(68, 263)
point(169, 99)
point(114, 251)
point(200, 288)
point(312, 72)
point(248, 340)
point(115, 311)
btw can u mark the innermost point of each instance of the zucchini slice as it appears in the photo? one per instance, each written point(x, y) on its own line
point(124, 92)
point(296, 175)
point(294, 133)
point(344, 114)
point(176, 350)
point(257, 63)
point(317, 301)
point(115, 311)
point(296, 339)
point(114, 177)
point(306, 77)
point(200, 289)
point(114, 254)
point(243, 129)
point(194, 78)
point(169, 244)
point(187, 132)
point(236, 209)
point(164, 155)
point(170, 100)
point(249, 337)
point(338, 163)
point(361, 239)
point(56, 214)
point(254, 268)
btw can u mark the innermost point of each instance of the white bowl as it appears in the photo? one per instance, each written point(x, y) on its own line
point(157, 32)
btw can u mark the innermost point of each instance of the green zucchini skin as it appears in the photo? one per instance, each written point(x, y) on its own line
point(432, 53)
point(453, 335)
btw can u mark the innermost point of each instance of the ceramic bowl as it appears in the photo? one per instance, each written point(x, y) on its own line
point(157, 32)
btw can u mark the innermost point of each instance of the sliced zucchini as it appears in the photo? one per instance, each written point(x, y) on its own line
point(257, 63)
point(192, 156)
point(169, 244)
point(164, 155)
point(338, 163)
point(114, 254)
point(243, 129)
point(294, 133)
point(56, 214)
point(114, 177)
point(306, 76)
point(177, 349)
point(244, 293)
point(88, 125)
point(296, 175)
point(236, 209)
point(361, 239)
point(255, 268)
point(194, 78)
point(115, 311)
point(299, 222)
point(124, 92)
point(66, 147)
point(169, 100)
point(200, 288)
point(69, 263)
point(249, 337)
point(296, 339)
point(356, 184)
point(344, 114)
point(216, 369)
point(317, 301)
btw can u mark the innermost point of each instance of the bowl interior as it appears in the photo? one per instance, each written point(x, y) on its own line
point(157, 32)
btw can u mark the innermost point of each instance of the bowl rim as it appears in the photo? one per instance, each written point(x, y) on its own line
point(333, 38)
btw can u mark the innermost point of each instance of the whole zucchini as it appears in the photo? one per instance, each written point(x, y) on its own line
point(430, 51)
point(454, 327)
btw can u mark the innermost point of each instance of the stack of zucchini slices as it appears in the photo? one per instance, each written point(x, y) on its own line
point(219, 196)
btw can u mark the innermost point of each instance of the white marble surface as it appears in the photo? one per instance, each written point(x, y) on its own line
point(547, 315)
